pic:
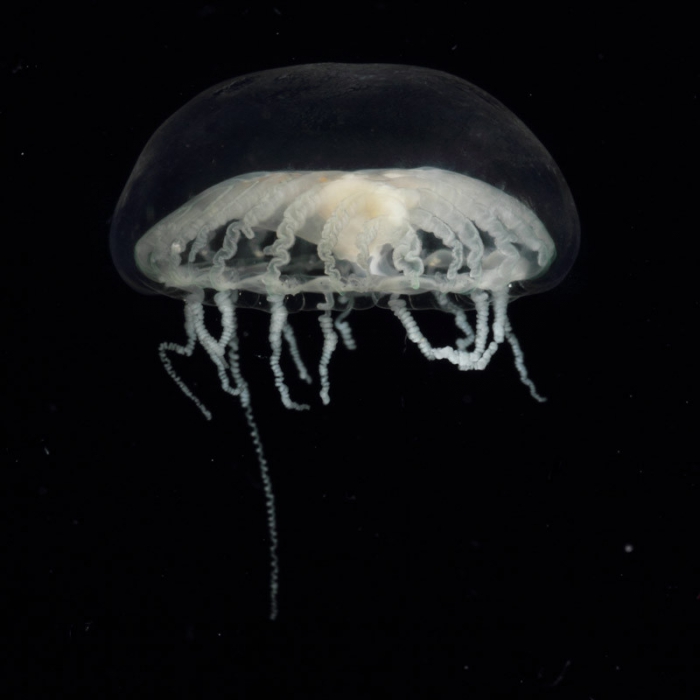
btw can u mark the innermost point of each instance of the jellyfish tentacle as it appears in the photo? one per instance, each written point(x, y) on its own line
point(185, 350)
point(291, 339)
point(278, 320)
point(343, 327)
point(479, 358)
point(226, 303)
point(330, 342)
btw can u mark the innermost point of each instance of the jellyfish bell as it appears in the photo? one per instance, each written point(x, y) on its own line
point(334, 187)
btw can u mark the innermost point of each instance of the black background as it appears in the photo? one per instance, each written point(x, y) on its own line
point(442, 534)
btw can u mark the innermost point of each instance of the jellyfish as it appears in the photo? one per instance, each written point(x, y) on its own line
point(338, 187)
